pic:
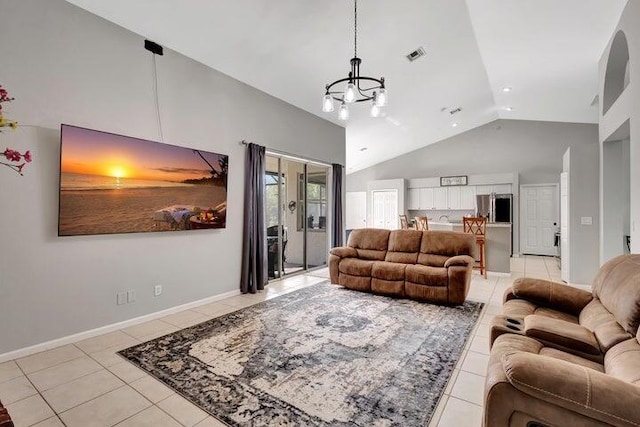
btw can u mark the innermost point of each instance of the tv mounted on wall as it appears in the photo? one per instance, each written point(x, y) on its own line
point(118, 184)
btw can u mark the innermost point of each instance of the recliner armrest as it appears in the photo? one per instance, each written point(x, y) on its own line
point(574, 387)
point(463, 260)
point(551, 294)
point(344, 252)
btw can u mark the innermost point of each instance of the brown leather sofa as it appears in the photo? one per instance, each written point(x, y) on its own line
point(434, 266)
point(561, 356)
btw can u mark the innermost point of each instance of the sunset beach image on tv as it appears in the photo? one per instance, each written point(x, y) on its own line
point(118, 184)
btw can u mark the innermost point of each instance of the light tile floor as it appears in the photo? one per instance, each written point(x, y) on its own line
point(87, 384)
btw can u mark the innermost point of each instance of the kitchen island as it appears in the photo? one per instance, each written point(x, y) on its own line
point(497, 246)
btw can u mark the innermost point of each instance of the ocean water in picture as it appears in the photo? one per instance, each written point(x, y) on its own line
point(76, 181)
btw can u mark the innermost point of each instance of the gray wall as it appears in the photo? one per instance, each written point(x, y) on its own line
point(65, 65)
point(584, 201)
point(532, 149)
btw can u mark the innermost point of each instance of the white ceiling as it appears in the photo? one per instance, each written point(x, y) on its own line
point(546, 50)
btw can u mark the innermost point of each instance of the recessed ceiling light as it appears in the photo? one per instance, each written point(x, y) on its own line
point(509, 108)
point(454, 125)
point(364, 149)
point(507, 89)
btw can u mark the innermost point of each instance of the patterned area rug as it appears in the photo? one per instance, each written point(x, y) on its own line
point(320, 356)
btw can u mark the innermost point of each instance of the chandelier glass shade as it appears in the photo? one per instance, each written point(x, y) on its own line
point(355, 88)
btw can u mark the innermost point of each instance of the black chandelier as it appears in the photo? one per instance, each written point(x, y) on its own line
point(372, 90)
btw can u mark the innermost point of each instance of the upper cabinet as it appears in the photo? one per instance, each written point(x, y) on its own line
point(440, 198)
point(413, 199)
point(453, 194)
point(454, 197)
point(468, 197)
point(498, 189)
point(426, 198)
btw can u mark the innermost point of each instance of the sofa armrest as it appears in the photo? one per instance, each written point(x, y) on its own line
point(574, 387)
point(559, 333)
point(551, 294)
point(508, 295)
point(344, 252)
point(463, 260)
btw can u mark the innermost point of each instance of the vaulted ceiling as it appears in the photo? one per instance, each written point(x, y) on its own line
point(545, 51)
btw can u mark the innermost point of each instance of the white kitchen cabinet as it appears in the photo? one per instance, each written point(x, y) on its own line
point(498, 189)
point(413, 199)
point(502, 188)
point(426, 198)
point(440, 198)
point(484, 189)
point(453, 197)
point(468, 197)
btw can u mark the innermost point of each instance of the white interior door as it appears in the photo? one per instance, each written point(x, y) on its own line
point(356, 210)
point(564, 226)
point(385, 209)
point(538, 219)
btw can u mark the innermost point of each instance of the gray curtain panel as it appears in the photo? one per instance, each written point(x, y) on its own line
point(254, 245)
point(337, 231)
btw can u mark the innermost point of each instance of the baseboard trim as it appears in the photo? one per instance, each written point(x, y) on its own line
point(69, 339)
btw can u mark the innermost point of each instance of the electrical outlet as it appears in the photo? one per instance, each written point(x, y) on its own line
point(157, 290)
point(122, 298)
point(586, 220)
point(131, 296)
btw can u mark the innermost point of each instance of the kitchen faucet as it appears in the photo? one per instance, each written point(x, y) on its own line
point(444, 216)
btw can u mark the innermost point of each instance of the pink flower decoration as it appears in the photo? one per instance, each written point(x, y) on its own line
point(27, 156)
point(12, 155)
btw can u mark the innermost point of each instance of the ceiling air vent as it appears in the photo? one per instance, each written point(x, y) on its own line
point(415, 54)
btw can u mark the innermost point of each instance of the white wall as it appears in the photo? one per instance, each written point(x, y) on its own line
point(626, 108)
point(65, 65)
point(533, 150)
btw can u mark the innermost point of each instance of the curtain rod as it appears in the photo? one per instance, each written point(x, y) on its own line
point(291, 156)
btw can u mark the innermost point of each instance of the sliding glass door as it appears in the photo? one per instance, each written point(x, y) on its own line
point(296, 210)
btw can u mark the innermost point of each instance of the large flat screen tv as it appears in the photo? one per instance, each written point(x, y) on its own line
point(118, 184)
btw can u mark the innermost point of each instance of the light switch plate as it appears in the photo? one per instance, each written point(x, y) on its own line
point(586, 220)
point(131, 296)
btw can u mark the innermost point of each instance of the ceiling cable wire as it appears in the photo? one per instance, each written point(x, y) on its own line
point(155, 93)
point(355, 28)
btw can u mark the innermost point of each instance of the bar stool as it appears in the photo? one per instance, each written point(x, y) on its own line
point(422, 223)
point(404, 223)
point(478, 227)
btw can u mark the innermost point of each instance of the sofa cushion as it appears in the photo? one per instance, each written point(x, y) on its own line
point(388, 287)
point(435, 294)
point(404, 246)
point(356, 267)
point(623, 361)
point(358, 283)
point(432, 260)
point(604, 325)
point(425, 275)
point(448, 243)
point(388, 270)
point(370, 243)
point(616, 285)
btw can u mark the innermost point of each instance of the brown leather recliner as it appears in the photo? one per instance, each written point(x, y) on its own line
point(564, 357)
point(433, 266)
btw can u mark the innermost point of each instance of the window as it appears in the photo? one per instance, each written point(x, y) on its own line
point(316, 215)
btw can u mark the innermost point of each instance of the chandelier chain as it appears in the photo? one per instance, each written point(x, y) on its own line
point(355, 28)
